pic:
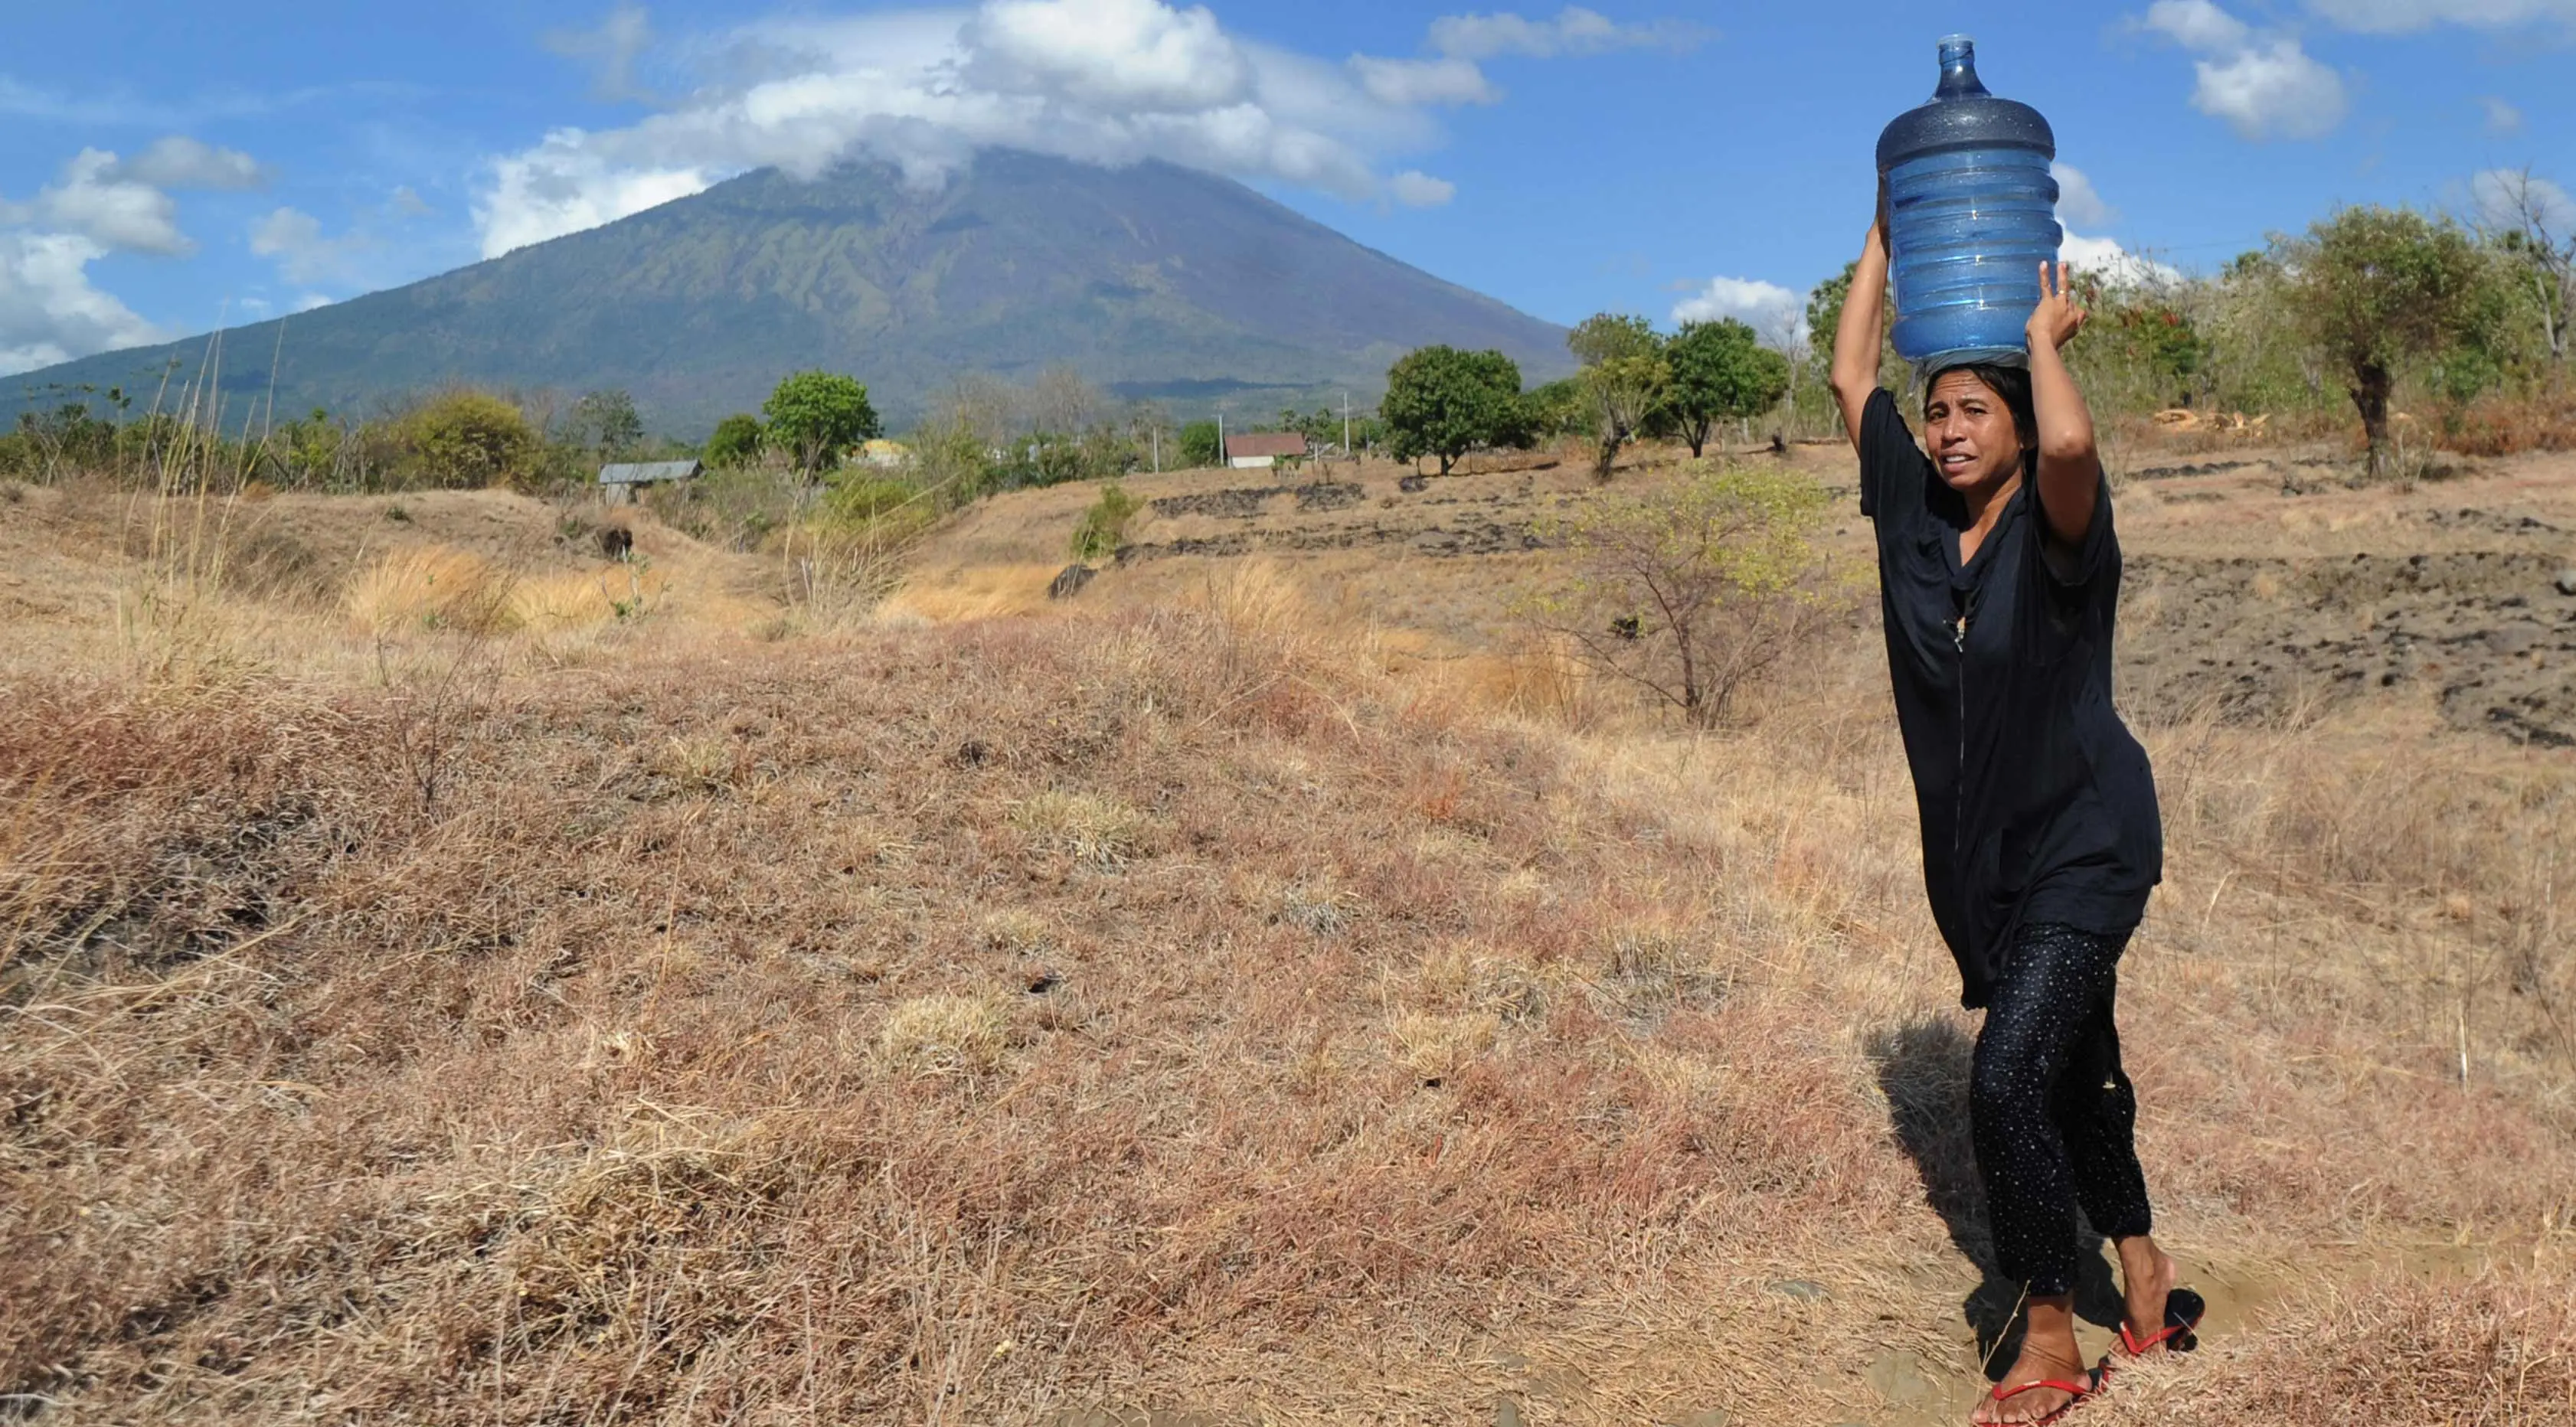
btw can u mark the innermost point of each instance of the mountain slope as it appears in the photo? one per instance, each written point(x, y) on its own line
point(1154, 280)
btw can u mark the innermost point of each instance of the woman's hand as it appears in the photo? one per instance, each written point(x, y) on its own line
point(2057, 319)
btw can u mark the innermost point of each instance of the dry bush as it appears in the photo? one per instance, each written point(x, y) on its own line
point(431, 587)
point(2496, 1351)
point(680, 1059)
point(2537, 418)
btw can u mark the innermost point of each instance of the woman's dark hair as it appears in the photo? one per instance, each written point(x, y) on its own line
point(2010, 383)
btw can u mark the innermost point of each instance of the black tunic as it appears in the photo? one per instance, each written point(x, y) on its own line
point(2037, 804)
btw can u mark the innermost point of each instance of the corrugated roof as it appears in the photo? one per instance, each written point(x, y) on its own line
point(647, 472)
point(1265, 443)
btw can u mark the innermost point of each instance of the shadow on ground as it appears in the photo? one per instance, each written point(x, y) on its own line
point(1923, 1071)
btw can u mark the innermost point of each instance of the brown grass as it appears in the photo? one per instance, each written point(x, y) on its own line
point(1170, 1006)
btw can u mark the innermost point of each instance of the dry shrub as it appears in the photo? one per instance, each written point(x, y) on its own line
point(1434, 1047)
point(974, 592)
point(2499, 1351)
point(1534, 678)
point(430, 587)
point(678, 1061)
point(568, 601)
point(2505, 424)
point(943, 1035)
point(1083, 826)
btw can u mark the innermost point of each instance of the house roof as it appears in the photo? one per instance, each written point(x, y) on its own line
point(647, 472)
point(1265, 443)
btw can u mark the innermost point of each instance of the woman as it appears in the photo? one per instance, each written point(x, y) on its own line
point(1999, 577)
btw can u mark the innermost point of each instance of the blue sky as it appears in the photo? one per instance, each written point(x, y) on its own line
point(168, 166)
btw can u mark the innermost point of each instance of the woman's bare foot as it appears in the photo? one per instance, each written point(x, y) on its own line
point(2048, 1353)
point(2146, 1277)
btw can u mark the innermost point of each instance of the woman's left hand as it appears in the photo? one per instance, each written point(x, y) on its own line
point(2057, 319)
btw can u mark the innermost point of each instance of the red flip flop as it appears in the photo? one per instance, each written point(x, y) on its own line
point(2078, 1393)
point(2183, 1311)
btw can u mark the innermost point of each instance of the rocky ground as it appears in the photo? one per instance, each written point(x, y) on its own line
point(2262, 585)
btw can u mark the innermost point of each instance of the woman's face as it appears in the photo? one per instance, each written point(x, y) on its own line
point(1970, 431)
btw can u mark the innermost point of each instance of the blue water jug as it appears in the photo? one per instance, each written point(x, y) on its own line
point(1972, 213)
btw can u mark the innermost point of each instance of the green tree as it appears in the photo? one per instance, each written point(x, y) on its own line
point(2535, 231)
point(1721, 372)
point(1103, 527)
point(1624, 373)
point(1558, 408)
point(1443, 402)
point(1200, 445)
point(815, 416)
point(2372, 287)
point(736, 441)
point(466, 439)
point(605, 422)
point(1690, 592)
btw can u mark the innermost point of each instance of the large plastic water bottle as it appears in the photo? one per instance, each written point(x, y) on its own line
point(1972, 213)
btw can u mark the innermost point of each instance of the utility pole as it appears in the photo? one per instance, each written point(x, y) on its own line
point(1353, 456)
point(1155, 429)
point(1220, 437)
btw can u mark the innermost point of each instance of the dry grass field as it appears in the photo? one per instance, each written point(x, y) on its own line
point(446, 977)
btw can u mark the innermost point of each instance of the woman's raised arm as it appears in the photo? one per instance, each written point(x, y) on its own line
point(2070, 470)
point(1854, 374)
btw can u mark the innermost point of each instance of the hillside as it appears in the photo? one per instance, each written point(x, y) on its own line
point(1153, 280)
point(1255, 990)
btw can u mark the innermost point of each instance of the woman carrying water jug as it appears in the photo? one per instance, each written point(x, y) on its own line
point(1999, 576)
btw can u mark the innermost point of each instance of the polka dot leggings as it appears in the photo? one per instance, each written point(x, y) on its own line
point(2051, 1113)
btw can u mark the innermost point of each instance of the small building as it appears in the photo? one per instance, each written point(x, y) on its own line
point(1260, 450)
point(620, 484)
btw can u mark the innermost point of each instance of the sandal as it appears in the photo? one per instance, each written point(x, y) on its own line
point(2183, 1310)
point(2078, 1393)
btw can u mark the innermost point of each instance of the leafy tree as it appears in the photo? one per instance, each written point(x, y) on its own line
point(1691, 592)
point(1200, 445)
point(1558, 408)
point(2372, 287)
point(815, 416)
point(1721, 372)
point(2535, 231)
point(737, 441)
point(1103, 527)
point(1626, 375)
point(606, 422)
point(467, 439)
point(1443, 402)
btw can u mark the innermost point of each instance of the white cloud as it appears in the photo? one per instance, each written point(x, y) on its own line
point(1409, 82)
point(2115, 265)
point(181, 162)
point(2264, 85)
point(2502, 117)
point(1767, 307)
point(2077, 201)
point(1575, 30)
point(1104, 81)
point(49, 312)
point(1416, 189)
point(2400, 16)
point(611, 51)
point(118, 214)
point(2197, 25)
point(1126, 55)
point(565, 185)
point(311, 300)
point(304, 255)
point(2501, 196)
point(2273, 90)
point(407, 203)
